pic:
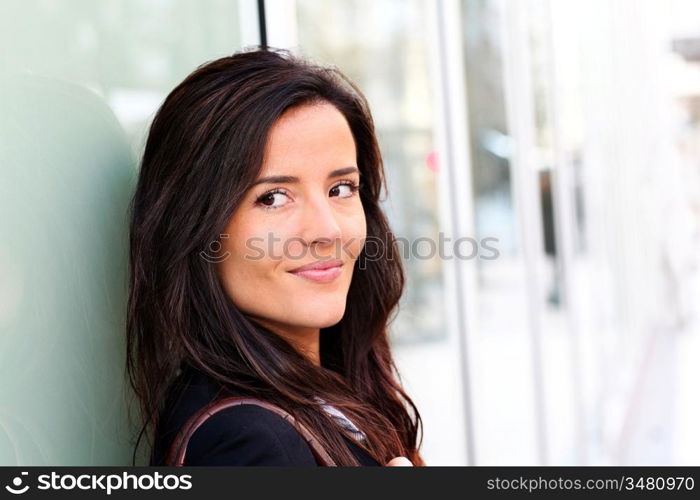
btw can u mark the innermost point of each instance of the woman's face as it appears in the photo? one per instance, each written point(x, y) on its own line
point(304, 208)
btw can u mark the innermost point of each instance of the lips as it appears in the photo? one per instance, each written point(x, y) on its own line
point(323, 271)
point(319, 265)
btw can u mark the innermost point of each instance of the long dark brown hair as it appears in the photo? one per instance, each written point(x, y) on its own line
point(204, 150)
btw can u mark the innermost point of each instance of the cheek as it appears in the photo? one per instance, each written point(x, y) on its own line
point(354, 234)
point(246, 271)
point(249, 242)
point(243, 278)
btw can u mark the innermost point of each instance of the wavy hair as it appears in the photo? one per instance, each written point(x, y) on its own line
point(204, 150)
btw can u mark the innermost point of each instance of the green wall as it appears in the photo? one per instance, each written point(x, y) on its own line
point(79, 84)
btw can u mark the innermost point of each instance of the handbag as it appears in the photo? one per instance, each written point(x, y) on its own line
point(176, 456)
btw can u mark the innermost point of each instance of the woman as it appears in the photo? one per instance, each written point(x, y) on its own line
point(252, 273)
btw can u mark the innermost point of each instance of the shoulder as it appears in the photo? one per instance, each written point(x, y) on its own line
point(240, 435)
point(247, 435)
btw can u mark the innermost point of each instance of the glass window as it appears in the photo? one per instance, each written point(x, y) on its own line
point(382, 46)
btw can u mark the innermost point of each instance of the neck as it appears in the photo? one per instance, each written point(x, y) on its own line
point(305, 340)
point(308, 345)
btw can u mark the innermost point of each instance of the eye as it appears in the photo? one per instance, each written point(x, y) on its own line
point(272, 199)
point(344, 189)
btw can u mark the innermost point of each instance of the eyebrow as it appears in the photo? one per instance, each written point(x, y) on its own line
point(285, 179)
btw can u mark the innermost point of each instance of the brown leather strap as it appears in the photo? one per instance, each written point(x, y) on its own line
point(176, 456)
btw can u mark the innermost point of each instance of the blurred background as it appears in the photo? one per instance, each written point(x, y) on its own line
point(568, 131)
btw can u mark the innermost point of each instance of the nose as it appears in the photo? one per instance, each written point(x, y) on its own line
point(320, 225)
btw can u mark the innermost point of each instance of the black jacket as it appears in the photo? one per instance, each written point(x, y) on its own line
point(242, 435)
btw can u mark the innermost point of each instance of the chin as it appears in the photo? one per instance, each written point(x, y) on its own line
point(323, 317)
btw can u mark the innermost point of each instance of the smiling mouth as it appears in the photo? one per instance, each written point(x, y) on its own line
point(319, 275)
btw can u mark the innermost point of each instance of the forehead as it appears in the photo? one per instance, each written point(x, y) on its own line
point(309, 137)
